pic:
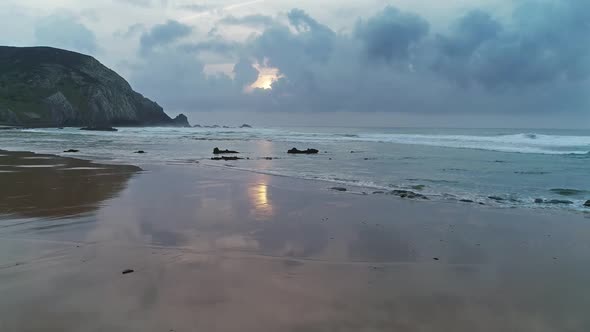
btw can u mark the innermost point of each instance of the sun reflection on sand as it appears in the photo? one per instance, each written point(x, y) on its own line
point(259, 198)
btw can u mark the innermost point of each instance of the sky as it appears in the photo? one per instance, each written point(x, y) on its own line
point(452, 63)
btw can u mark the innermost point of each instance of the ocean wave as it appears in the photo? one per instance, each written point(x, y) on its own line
point(568, 191)
point(518, 143)
point(527, 143)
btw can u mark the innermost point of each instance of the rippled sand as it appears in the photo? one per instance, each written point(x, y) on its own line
point(222, 250)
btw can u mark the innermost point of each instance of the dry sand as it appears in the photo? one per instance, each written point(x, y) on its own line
point(223, 250)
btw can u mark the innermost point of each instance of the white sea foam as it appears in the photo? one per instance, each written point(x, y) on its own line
point(522, 143)
point(519, 143)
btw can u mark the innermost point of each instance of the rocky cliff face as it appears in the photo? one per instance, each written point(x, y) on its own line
point(42, 86)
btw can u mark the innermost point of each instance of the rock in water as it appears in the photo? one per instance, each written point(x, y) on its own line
point(407, 194)
point(127, 271)
point(217, 151)
point(181, 121)
point(140, 152)
point(245, 126)
point(44, 86)
point(308, 151)
point(71, 151)
point(226, 158)
point(338, 188)
point(587, 204)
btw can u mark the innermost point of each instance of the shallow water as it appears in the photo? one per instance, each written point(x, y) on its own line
point(513, 166)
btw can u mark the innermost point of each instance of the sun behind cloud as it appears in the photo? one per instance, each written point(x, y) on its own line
point(266, 77)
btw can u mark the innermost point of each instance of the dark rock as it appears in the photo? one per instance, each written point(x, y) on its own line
point(538, 200)
point(225, 127)
point(436, 258)
point(217, 151)
point(338, 188)
point(407, 194)
point(587, 204)
point(496, 198)
point(378, 192)
point(466, 201)
point(99, 129)
point(71, 151)
point(245, 126)
point(226, 158)
point(181, 121)
point(50, 87)
point(268, 158)
point(127, 271)
point(308, 151)
point(140, 152)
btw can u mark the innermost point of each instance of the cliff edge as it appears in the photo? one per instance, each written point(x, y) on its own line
point(43, 86)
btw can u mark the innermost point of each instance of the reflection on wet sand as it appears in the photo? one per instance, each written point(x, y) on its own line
point(203, 261)
point(49, 186)
point(258, 193)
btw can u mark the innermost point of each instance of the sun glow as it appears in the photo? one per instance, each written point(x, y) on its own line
point(266, 77)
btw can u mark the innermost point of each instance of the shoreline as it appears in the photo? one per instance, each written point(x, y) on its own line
point(357, 189)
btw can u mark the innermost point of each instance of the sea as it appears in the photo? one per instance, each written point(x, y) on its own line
point(494, 167)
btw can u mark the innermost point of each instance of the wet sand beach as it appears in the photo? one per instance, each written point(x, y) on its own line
point(215, 249)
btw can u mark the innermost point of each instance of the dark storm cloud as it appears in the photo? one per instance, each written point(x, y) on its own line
point(245, 73)
point(536, 60)
point(64, 31)
point(216, 45)
point(390, 34)
point(290, 51)
point(163, 34)
point(544, 42)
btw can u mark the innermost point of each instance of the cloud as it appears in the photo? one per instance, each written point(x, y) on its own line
point(390, 34)
point(245, 73)
point(255, 20)
point(543, 42)
point(131, 31)
point(144, 3)
point(163, 34)
point(198, 8)
point(531, 62)
point(218, 45)
point(64, 31)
